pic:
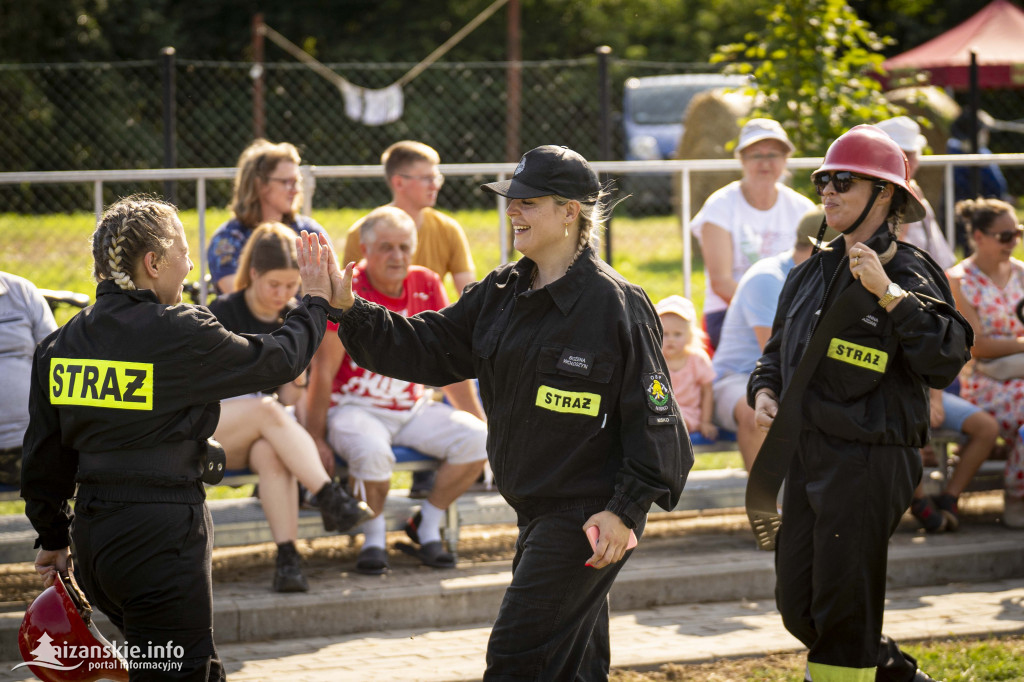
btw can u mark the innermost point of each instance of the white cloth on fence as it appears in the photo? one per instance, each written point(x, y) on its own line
point(373, 107)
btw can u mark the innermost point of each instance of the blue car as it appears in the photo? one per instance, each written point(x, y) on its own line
point(652, 121)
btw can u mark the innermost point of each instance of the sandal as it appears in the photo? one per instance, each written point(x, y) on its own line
point(372, 561)
point(431, 554)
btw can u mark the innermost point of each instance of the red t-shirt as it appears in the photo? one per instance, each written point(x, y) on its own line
point(422, 291)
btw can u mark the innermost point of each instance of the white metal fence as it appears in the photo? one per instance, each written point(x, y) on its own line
point(685, 208)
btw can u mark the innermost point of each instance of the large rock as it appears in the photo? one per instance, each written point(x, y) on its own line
point(712, 122)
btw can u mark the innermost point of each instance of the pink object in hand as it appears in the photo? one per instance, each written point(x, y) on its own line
point(593, 533)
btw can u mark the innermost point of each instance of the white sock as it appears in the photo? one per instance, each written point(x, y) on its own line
point(430, 527)
point(375, 532)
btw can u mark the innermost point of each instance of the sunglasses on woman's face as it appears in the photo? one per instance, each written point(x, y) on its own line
point(1007, 237)
point(841, 181)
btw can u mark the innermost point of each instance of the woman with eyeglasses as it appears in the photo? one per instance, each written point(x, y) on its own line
point(747, 220)
point(863, 329)
point(268, 188)
point(987, 286)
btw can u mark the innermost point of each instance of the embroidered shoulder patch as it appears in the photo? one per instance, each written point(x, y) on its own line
point(657, 391)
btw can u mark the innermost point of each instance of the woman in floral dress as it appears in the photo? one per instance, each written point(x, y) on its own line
point(987, 287)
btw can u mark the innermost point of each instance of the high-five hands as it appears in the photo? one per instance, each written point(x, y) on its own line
point(320, 272)
point(314, 256)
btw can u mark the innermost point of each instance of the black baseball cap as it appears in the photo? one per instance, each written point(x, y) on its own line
point(548, 170)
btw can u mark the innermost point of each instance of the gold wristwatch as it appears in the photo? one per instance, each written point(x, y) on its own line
point(892, 292)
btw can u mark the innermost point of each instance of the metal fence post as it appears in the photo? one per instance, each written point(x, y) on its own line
point(975, 107)
point(604, 89)
point(170, 113)
point(257, 73)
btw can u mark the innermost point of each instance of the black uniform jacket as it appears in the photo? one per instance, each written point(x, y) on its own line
point(131, 386)
point(871, 385)
point(571, 377)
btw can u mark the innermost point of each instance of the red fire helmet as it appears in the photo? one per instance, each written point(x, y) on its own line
point(59, 622)
point(868, 150)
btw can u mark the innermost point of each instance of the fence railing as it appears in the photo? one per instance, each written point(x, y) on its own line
point(684, 207)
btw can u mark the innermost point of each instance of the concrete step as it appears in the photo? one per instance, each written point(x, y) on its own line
point(664, 571)
point(241, 521)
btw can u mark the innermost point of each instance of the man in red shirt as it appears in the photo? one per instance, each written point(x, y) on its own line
point(361, 414)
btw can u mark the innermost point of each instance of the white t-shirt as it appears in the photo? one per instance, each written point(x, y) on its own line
point(925, 234)
point(755, 233)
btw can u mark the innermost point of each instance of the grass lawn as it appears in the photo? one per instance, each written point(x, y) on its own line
point(54, 251)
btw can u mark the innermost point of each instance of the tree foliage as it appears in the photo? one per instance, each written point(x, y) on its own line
point(812, 62)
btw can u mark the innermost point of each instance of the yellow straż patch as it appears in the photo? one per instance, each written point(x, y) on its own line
point(861, 356)
point(101, 383)
point(571, 402)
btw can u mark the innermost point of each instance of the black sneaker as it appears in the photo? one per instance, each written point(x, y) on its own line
point(947, 504)
point(930, 517)
point(339, 510)
point(288, 573)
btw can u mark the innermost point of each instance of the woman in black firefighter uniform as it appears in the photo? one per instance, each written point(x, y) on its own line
point(864, 410)
point(582, 427)
point(123, 400)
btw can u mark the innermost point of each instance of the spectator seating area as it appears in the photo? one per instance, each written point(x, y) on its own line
point(241, 521)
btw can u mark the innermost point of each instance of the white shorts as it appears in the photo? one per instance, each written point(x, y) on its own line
point(728, 391)
point(363, 436)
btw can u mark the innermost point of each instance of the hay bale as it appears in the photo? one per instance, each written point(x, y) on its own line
point(929, 104)
point(711, 121)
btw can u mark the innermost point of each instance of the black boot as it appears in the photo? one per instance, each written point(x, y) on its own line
point(339, 510)
point(288, 574)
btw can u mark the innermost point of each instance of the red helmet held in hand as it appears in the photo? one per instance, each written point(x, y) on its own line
point(57, 628)
point(867, 150)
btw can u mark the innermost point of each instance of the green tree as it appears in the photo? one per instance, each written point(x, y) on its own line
point(812, 63)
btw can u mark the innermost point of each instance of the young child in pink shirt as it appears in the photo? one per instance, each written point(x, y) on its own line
point(688, 363)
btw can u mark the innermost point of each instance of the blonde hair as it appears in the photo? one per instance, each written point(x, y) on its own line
point(698, 340)
point(404, 153)
point(589, 222)
point(128, 230)
point(271, 247)
point(255, 165)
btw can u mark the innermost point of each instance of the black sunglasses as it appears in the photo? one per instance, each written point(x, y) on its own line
point(841, 180)
point(1007, 237)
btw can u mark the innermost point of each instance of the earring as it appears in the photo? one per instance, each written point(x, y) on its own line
point(566, 225)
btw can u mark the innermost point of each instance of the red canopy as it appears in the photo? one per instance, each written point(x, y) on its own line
point(995, 35)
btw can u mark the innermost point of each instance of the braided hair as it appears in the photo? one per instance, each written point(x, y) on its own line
point(128, 230)
point(592, 217)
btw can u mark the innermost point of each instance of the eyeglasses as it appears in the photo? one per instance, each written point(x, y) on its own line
point(841, 181)
point(1007, 236)
point(757, 158)
point(289, 183)
point(435, 179)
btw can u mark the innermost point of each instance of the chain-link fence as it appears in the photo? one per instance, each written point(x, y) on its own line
point(110, 116)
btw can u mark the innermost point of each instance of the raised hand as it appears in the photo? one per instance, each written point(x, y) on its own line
point(341, 286)
point(315, 256)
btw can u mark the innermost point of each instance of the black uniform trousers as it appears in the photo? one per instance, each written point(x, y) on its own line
point(553, 621)
point(842, 503)
point(147, 567)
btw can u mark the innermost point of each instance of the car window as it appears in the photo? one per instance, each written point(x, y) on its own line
point(662, 104)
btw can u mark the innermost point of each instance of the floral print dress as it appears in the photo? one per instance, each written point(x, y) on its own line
point(1004, 399)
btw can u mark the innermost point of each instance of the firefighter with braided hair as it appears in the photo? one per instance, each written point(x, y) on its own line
point(864, 327)
point(123, 401)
